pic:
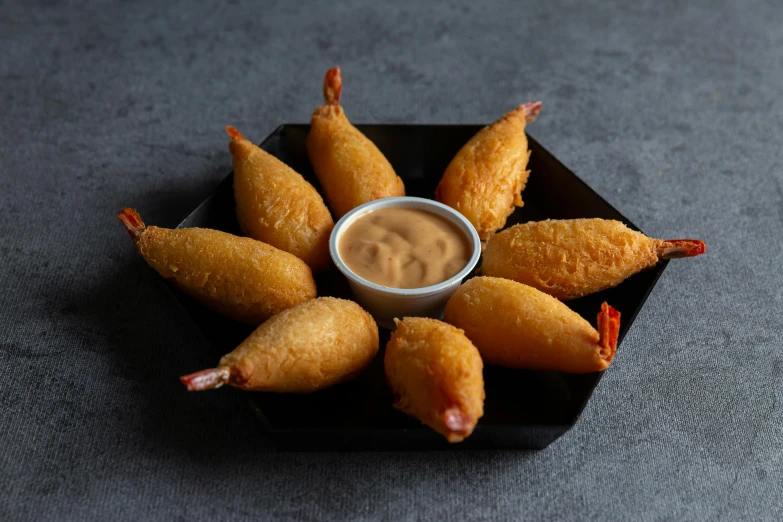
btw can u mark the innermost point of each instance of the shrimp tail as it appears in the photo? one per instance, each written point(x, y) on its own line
point(235, 134)
point(674, 248)
point(608, 331)
point(333, 86)
point(459, 423)
point(133, 223)
point(206, 379)
point(530, 110)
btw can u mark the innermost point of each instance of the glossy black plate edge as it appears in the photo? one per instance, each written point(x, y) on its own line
point(657, 270)
point(629, 317)
point(177, 297)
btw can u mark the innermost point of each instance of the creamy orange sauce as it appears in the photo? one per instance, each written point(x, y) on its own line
point(404, 248)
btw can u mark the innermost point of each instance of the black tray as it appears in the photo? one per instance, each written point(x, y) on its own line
point(523, 409)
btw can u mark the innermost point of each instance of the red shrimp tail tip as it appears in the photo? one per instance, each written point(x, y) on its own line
point(234, 133)
point(674, 248)
point(459, 424)
point(333, 86)
point(608, 331)
point(133, 223)
point(530, 110)
point(206, 379)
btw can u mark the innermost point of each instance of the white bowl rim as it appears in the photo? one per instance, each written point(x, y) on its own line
point(406, 202)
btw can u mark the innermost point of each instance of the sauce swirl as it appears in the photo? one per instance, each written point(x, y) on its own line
point(404, 248)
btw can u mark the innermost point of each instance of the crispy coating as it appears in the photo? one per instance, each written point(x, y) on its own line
point(436, 375)
point(576, 257)
point(349, 166)
point(517, 326)
point(309, 347)
point(239, 277)
point(276, 205)
point(486, 178)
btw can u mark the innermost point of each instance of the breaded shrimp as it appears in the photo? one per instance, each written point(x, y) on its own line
point(486, 178)
point(309, 347)
point(517, 326)
point(435, 373)
point(576, 257)
point(276, 205)
point(239, 277)
point(350, 168)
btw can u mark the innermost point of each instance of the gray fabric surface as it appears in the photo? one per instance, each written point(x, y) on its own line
point(670, 110)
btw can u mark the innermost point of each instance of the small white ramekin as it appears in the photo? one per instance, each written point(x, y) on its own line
point(385, 303)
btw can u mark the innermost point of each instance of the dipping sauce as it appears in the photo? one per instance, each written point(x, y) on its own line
point(404, 248)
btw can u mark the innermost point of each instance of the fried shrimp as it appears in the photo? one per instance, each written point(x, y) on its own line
point(309, 347)
point(576, 257)
point(239, 277)
point(435, 373)
point(349, 166)
point(517, 326)
point(276, 205)
point(486, 178)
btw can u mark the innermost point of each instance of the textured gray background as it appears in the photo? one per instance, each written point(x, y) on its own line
point(671, 111)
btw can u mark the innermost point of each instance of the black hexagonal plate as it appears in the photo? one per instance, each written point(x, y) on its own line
point(523, 409)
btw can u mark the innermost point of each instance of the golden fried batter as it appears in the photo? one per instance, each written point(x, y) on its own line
point(486, 178)
point(350, 168)
point(515, 325)
point(276, 205)
point(239, 277)
point(436, 375)
point(306, 348)
point(573, 258)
